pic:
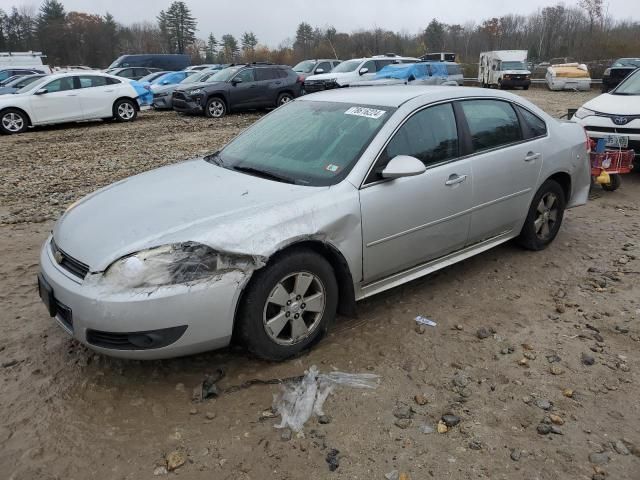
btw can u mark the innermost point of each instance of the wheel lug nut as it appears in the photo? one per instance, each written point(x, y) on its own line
point(287, 314)
point(298, 297)
point(304, 305)
point(288, 302)
point(296, 316)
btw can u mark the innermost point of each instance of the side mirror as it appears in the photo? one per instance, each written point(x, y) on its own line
point(363, 70)
point(165, 82)
point(236, 81)
point(41, 91)
point(403, 166)
point(319, 70)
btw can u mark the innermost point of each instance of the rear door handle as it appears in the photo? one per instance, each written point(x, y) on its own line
point(531, 156)
point(455, 179)
point(72, 94)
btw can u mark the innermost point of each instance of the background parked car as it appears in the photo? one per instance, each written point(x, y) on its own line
point(206, 66)
point(618, 71)
point(152, 76)
point(422, 73)
point(240, 87)
point(132, 73)
point(163, 94)
point(171, 78)
point(19, 82)
point(161, 61)
point(69, 97)
point(8, 72)
point(307, 68)
point(350, 71)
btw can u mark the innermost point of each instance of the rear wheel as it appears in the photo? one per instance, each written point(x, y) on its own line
point(544, 218)
point(614, 183)
point(284, 98)
point(288, 306)
point(13, 121)
point(216, 108)
point(526, 87)
point(125, 110)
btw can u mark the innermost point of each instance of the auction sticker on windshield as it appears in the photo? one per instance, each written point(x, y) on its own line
point(365, 112)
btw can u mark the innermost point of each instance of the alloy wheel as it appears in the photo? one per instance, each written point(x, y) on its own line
point(285, 99)
point(13, 122)
point(546, 215)
point(216, 108)
point(126, 111)
point(294, 308)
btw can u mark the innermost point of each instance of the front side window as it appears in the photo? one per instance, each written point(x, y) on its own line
point(305, 142)
point(245, 75)
point(90, 81)
point(430, 135)
point(492, 123)
point(348, 66)
point(60, 85)
point(325, 66)
point(305, 66)
point(370, 65)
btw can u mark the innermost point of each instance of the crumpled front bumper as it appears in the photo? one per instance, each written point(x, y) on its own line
point(207, 309)
point(162, 102)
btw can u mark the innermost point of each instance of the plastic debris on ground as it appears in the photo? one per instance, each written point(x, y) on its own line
point(425, 321)
point(298, 402)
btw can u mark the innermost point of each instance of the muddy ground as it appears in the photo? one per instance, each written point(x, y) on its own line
point(559, 349)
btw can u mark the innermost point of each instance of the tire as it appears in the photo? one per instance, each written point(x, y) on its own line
point(616, 181)
point(526, 87)
point(124, 110)
point(270, 298)
point(215, 108)
point(283, 99)
point(13, 121)
point(544, 218)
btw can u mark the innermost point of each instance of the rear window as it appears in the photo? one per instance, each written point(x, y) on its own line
point(533, 126)
point(492, 123)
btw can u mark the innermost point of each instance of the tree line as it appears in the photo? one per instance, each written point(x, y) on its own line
point(583, 31)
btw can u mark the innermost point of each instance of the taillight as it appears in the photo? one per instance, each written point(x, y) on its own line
point(300, 79)
point(590, 142)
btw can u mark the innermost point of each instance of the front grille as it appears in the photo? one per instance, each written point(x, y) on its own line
point(70, 264)
point(618, 130)
point(64, 314)
point(314, 86)
point(119, 341)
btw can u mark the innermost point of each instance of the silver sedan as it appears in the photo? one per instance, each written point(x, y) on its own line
point(328, 200)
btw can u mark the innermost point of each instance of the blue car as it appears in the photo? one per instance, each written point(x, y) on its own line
point(145, 95)
point(171, 78)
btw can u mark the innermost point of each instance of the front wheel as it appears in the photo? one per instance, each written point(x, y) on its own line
point(125, 111)
point(544, 218)
point(288, 305)
point(13, 121)
point(614, 183)
point(216, 108)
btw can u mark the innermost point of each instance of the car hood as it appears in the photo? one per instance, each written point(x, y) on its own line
point(615, 104)
point(329, 76)
point(190, 201)
point(194, 85)
point(163, 88)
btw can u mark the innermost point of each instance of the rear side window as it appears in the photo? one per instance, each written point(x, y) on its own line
point(266, 74)
point(380, 64)
point(112, 81)
point(492, 123)
point(533, 126)
point(89, 81)
point(430, 135)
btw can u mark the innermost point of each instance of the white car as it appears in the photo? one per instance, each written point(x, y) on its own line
point(69, 97)
point(615, 116)
point(352, 71)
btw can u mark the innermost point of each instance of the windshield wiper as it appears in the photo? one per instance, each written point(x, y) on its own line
point(264, 174)
point(214, 158)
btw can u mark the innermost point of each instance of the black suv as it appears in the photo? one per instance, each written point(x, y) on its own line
point(239, 87)
point(617, 72)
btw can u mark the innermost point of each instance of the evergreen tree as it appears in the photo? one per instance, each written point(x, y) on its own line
point(212, 48)
point(230, 49)
point(50, 29)
point(249, 42)
point(178, 27)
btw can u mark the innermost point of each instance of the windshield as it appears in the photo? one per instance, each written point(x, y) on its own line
point(305, 66)
point(31, 86)
point(152, 76)
point(224, 75)
point(513, 66)
point(629, 86)
point(627, 62)
point(348, 66)
point(23, 82)
point(9, 80)
point(195, 77)
point(305, 142)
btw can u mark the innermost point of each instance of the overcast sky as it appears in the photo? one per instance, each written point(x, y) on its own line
point(274, 20)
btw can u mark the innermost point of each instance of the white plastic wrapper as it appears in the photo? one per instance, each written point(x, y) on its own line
point(297, 403)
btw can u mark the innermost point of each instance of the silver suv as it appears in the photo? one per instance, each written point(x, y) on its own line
point(307, 68)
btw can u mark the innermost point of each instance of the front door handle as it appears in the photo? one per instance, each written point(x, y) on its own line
point(531, 156)
point(455, 179)
point(72, 94)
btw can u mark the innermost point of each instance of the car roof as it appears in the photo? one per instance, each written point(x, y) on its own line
point(396, 95)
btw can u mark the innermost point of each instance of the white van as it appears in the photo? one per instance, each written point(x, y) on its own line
point(504, 69)
point(21, 59)
point(352, 71)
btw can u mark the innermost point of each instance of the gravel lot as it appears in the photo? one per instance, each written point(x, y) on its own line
point(537, 354)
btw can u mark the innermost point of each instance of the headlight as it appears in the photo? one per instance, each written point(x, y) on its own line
point(165, 265)
point(584, 112)
point(195, 91)
point(607, 72)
